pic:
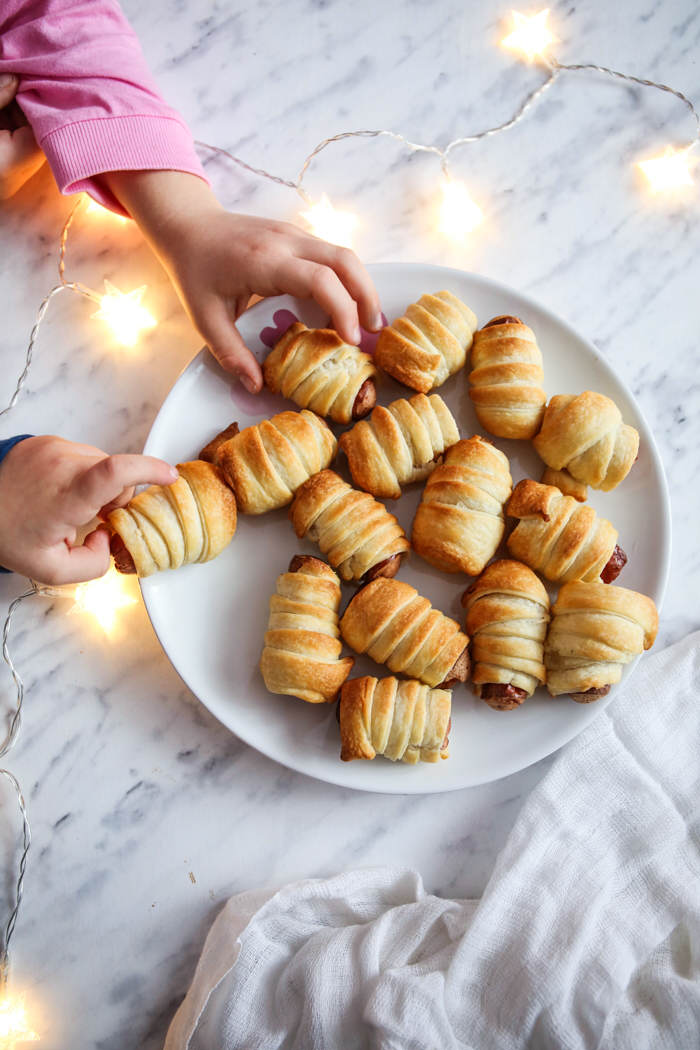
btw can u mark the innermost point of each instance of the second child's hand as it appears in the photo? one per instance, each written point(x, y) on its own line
point(218, 259)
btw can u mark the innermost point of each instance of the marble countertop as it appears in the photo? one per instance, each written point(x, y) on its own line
point(147, 813)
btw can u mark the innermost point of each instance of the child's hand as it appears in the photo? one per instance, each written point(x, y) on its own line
point(20, 157)
point(50, 488)
point(218, 260)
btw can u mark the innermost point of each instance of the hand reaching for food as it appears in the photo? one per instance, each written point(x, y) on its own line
point(217, 260)
point(52, 489)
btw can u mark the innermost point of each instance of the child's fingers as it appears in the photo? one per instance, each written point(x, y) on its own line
point(82, 563)
point(225, 342)
point(311, 280)
point(107, 479)
point(121, 501)
point(353, 275)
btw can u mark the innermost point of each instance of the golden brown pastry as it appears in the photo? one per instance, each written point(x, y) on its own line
point(398, 444)
point(429, 343)
point(585, 435)
point(507, 617)
point(167, 526)
point(266, 463)
point(505, 382)
point(459, 522)
point(302, 649)
point(404, 721)
point(392, 623)
point(595, 631)
point(562, 480)
point(317, 370)
point(360, 537)
point(561, 538)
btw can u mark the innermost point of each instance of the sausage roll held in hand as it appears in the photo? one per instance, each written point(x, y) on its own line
point(507, 617)
point(505, 382)
point(167, 526)
point(586, 436)
point(596, 629)
point(392, 623)
point(360, 537)
point(429, 343)
point(266, 463)
point(398, 444)
point(404, 721)
point(302, 643)
point(459, 522)
point(317, 370)
point(562, 539)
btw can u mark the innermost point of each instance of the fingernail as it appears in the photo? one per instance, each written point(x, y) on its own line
point(378, 321)
point(357, 335)
point(174, 473)
point(6, 79)
point(250, 384)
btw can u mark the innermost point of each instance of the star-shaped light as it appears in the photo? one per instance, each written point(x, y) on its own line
point(14, 1024)
point(330, 223)
point(670, 171)
point(104, 598)
point(459, 214)
point(124, 313)
point(531, 35)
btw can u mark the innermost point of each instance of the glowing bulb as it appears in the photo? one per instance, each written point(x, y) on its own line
point(329, 223)
point(14, 1024)
point(531, 34)
point(125, 314)
point(93, 208)
point(459, 214)
point(670, 171)
point(103, 598)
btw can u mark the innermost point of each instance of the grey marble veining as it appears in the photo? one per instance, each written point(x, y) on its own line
point(147, 813)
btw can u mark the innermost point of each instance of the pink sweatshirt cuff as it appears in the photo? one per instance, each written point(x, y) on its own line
point(79, 151)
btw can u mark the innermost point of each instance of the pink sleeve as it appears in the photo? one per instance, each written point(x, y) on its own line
point(88, 94)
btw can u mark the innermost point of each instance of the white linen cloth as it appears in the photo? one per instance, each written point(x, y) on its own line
point(587, 935)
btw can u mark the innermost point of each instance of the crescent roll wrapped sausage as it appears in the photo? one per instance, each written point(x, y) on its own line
point(562, 539)
point(459, 522)
point(392, 623)
point(302, 649)
point(398, 444)
point(429, 343)
point(595, 630)
point(404, 721)
point(167, 526)
point(317, 370)
point(585, 435)
point(505, 382)
point(507, 617)
point(359, 535)
point(266, 463)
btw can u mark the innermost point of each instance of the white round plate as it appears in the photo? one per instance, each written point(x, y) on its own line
point(211, 618)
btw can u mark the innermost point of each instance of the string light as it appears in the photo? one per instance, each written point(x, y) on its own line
point(670, 171)
point(15, 1029)
point(330, 223)
point(125, 314)
point(103, 598)
point(531, 35)
point(459, 214)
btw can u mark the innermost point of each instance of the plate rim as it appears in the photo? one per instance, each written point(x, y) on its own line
point(560, 739)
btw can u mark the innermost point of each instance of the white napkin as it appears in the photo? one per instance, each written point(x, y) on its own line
point(588, 933)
